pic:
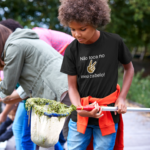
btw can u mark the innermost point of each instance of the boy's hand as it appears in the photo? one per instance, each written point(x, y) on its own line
point(120, 103)
point(95, 113)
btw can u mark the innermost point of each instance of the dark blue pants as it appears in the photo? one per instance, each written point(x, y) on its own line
point(4, 133)
point(62, 141)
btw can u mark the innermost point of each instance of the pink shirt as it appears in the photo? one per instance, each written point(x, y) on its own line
point(1, 75)
point(54, 38)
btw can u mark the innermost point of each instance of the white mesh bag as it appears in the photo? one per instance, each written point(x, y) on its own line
point(44, 130)
point(47, 121)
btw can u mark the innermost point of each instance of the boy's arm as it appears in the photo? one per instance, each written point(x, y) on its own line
point(5, 112)
point(75, 99)
point(127, 79)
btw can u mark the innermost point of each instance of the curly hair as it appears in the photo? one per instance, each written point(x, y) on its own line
point(93, 12)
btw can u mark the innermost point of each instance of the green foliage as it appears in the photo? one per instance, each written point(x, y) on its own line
point(130, 19)
point(140, 8)
point(30, 13)
point(39, 104)
point(140, 88)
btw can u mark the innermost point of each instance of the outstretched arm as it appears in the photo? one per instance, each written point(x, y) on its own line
point(17, 96)
point(5, 112)
point(127, 79)
point(12, 99)
point(75, 99)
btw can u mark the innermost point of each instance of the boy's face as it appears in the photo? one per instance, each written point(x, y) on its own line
point(84, 33)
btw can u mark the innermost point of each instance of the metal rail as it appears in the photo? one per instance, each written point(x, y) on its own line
point(128, 109)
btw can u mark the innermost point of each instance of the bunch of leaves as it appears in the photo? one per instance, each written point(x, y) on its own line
point(60, 108)
point(42, 105)
point(140, 88)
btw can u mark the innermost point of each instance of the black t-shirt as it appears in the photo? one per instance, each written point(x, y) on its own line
point(96, 67)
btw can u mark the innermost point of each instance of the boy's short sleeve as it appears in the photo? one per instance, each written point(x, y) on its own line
point(124, 55)
point(69, 62)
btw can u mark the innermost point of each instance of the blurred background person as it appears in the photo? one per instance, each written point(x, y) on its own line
point(54, 38)
point(6, 121)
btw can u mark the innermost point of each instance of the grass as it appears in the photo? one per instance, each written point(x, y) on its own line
point(140, 88)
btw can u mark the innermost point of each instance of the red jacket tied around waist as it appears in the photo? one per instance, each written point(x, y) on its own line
point(106, 122)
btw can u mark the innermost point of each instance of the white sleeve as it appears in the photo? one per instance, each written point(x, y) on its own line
point(21, 93)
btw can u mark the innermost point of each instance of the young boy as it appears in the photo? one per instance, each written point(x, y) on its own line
point(91, 62)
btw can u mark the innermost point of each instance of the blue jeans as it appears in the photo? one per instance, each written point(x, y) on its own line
point(21, 130)
point(18, 125)
point(26, 143)
point(79, 141)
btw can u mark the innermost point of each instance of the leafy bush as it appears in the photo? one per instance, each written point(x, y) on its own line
point(140, 88)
